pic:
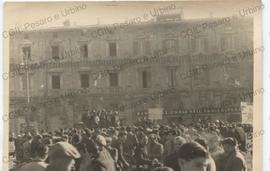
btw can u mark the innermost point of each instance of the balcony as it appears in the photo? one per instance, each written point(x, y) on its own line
point(110, 91)
point(88, 91)
point(121, 61)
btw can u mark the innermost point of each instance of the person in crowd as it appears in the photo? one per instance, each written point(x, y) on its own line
point(171, 159)
point(62, 157)
point(96, 120)
point(232, 159)
point(138, 147)
point(39, 155)
point(119, 145)
point(154, 148)
point(81, 163)
point(140, 153)
point(76, 141)
point(212, 164)
point(27, 148)
point(178, 142)
point(192, 156)
point(130, 144)
point(102, 160)
point(169, 143)
point(11, 144)
point(65, 138)
point(113, 151)
point(240, 136)
point(19, 148)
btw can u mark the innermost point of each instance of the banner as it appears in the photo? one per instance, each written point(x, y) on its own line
point(247, 113)
point(155, 113)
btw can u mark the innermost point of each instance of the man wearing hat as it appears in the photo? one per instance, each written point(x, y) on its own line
point(171, 159)
point(154, 148)
point(232, 158)
point(62, 157)
point(102, 160)
point(39, 155)
point(119, 145)
point(27, 148)
point(130, 144)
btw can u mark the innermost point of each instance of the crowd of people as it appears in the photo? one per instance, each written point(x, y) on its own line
point(149, 146)
point(101, 118)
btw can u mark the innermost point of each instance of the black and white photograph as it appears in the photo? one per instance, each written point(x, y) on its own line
point(133, 86)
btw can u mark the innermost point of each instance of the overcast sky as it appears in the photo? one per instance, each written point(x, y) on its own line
point(19, 14)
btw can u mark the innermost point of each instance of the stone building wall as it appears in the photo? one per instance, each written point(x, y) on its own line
point(208, 89)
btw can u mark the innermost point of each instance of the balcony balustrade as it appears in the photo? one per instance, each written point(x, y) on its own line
point(121, 61)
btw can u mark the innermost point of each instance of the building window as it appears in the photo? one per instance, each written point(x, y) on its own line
point(223, 44)
point(136, 48)
point(146, 48)
point(203, 100)
point(231, 74)
point(146, 79)
point(113, 79)
point(169, 46)
point(56, 82)
point(218, 100)
point(112, 49)
point(199, 44)
point(193, 45)
point(205, 44)
point(84, 80)
point(26, 36)
point(195, 73)
point(227, 43)
point(84, 50)
point(55, 52)
point(141, 47)
point(26, 53)
point(231, 100)
point(172, 77)
point(201, 75)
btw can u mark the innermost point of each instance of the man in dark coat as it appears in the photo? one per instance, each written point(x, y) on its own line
point(155, 149)
point(140, 153)
point(119, 145)
point(240, 136)
point(232, 159)
point(129, 145)
point(102, 160)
